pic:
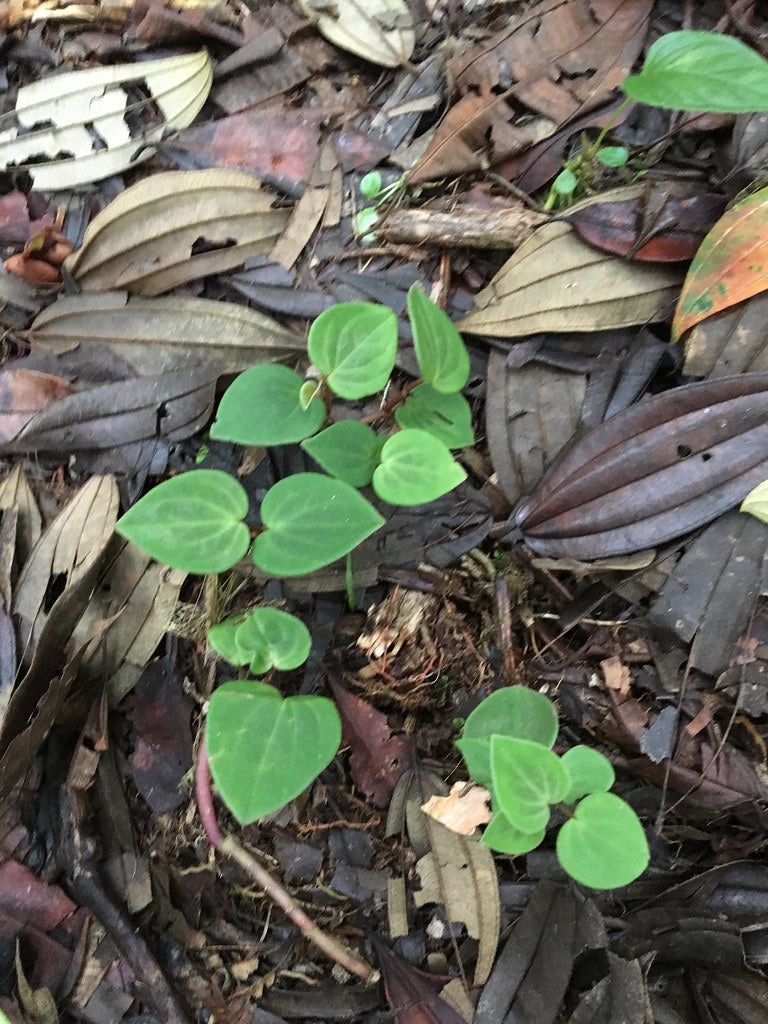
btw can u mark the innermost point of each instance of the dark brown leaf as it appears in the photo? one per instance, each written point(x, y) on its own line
point(654, 472)
point(377, 758)
point(413, 995)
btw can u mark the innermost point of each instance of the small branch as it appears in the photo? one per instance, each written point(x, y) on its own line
point(468, 228)
point(389, 407)
point(231, 848)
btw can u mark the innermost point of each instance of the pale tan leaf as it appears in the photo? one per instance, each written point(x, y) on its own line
point(86, 114)
point(68, 548)
point(144, 241)
point(380, 31)
point(16, 494)
point(616, 675)
point(556, 282)
point(165, 334)
point(464, 808)
point(306, 215)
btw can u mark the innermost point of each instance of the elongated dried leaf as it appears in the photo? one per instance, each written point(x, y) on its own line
point(381, 31)
point(729, 267)
point(556, 282)
point(165, 334)
point(23, 393)
point(16, 495)
point(174, 227)
point(531, 412)
point(734, 341)
point(90, 115)
point(653, 472)
point(68, 548)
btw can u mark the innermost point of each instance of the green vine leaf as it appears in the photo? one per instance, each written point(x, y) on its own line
point(263, 638)
point(440, 351)
point(265, 406)
point(311, 520)
point(354, 344)
point(588, 772)
point(265, 749)
point(415, 468)
point(349, 450)
point(501, 835)
point(193, 522)
point(603, 845)
point(446, 417)
point(527, 777)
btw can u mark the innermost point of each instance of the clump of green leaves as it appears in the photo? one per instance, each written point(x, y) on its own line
point(578, 174)
point(373, 189)
point(507, 745)
point(265, 749)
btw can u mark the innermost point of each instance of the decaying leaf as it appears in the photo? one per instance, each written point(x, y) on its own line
point(23, 393)
point(89, 116)
point(380, 31)
point(556, 282)
point(729, 267)
point(16, 496)
point(174, 227)
point(530, 413)
point(162, 335)
point(65, 552)
point(654, 472)
point(734, 341)
point(413, 995)
point(464, 808)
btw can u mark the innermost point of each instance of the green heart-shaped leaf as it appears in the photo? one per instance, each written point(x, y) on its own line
point(440, 351)
point(513, 711)
point(273, 638)
point(264, 749)
point(501, 835)
point(603, 845)
point(349, 450)
point(193, 522)
point(264, 406)
point(588, 772)
point(527, 777)
point(415, 468)
point(311, 520)
point(355, 345)
point(223, 639)
point(447, 417)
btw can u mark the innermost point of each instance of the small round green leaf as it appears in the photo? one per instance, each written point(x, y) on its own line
point(311, 520)
point(512, 711)
point(415, 468)
point(613, 156)
point(702, 71)
point(310, 389)
point(446, 417)
point(273, 639)
point(364, 222)
point(603, 845)
point(527, 778)
point(588, 772)
point(502, 836)
point(264, 749)
point(263, 406)
point(349, 450)
point(193, 522)
point(354, 344)
point(440, 351)
point(223, 639)
point(565, 183)
point(370, 184)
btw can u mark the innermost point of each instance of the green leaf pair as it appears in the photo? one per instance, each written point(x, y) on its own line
point(262, 638)
point(507, 746)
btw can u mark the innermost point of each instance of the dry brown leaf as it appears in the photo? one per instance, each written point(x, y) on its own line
point(174, 227)
point(86, 115)
point(556, 282)
point(462, 810)
point(616, 675)
point(380, 31)
point(165, 334)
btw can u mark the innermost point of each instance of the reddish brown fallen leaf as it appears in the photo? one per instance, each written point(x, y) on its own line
point(35, 271)
point(464, 808)
point(616, 675)
point(676, 234)
point(23, 393)
point(413, 995)
point(730, 266)
point(377, 758)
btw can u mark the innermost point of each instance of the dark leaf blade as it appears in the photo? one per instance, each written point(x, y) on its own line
point(654, 472)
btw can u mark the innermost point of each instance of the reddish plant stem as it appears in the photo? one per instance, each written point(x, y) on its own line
point(390, 406)
point(229, 846)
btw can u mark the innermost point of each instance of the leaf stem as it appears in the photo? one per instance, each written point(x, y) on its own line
point(390, 406)
point(230, 847)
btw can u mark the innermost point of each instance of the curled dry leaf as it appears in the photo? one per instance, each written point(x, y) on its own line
point(380, 31)
point(653, 472)
point(90, 116)
point(556, 282)
point(464, 808)
point(174, 227)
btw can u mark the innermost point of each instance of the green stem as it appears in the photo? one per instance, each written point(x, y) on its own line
point(592, 151)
